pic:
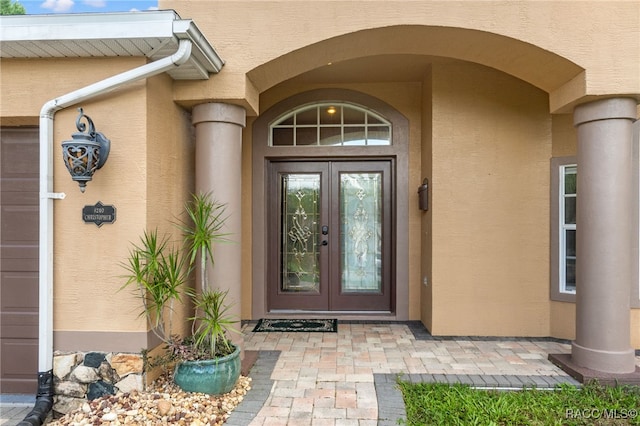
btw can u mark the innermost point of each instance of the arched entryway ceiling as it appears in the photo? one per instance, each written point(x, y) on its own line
point(397, 53)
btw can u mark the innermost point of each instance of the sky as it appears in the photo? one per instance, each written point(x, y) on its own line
point(34, 7)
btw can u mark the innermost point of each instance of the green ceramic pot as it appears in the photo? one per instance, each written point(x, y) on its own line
point(211, 376)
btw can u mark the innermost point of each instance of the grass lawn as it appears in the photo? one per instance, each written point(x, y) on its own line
point(442, 404)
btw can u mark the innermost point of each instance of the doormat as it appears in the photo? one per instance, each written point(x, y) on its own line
point(312, 325)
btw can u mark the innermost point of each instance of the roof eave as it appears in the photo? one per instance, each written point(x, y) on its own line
point(155, 34)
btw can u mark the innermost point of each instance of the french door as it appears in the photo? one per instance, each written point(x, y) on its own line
point(329, 235)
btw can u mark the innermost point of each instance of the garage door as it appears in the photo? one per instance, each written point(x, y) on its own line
point(19, 263)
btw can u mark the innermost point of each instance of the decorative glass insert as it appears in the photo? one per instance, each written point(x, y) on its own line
point(330, 124)
point(361, 232)
point(299, 248)
point(568, 192)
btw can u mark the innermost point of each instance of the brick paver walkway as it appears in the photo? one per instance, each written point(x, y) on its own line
point(348, 377)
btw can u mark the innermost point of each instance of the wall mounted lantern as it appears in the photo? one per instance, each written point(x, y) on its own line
point(423, 195)
point(86, 152)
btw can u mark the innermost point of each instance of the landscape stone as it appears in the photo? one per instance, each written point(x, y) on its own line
point(63, 364)
point(73, 389)
point(130, 383)
point(66, 404)
point(126, 364)
point(94, 359)
point(99, 389)
point(107, 373)
point(84, 374)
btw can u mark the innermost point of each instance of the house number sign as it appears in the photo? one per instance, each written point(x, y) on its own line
point(99, 214)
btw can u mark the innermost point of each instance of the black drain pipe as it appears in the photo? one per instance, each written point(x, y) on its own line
point(44, 401)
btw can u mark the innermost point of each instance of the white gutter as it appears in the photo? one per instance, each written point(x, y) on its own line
point(182, 55)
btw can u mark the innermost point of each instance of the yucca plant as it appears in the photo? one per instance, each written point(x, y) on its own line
point(158, 270)
point(213, 323)
point(204, 228)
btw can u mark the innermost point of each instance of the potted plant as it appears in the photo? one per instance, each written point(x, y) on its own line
point(206, 361)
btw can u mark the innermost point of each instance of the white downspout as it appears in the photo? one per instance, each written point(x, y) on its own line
point(45, 347)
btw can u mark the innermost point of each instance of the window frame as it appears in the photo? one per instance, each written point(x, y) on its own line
point(564, 226)
point(366, 125)
point(557, 242)
point(635, 276)
point(558, 227)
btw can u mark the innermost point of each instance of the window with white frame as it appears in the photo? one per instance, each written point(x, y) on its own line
point(563, 228)
point(567, 221)
point(563, 225)
point(330, 124)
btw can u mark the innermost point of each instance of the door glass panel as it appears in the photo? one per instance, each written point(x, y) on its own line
point(361, 232)
point(299, 248)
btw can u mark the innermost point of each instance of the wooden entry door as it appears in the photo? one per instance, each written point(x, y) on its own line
point(329, 235)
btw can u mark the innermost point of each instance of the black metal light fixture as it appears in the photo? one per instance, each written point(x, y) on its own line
point(423, 195)
point(86, 152)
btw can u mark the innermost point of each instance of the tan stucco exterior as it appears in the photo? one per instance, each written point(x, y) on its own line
point(491, 145)
point(488, 89)
point(549, 34)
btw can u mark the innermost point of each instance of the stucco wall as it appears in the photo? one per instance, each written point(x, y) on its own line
point(247, 231)
point(86, 270)
point(485, 246)
point(426, 294)
point(170, 170)
point(254, 37)
point(26, 84)
point(491, 150)
point(635, 328)
point(148, 176)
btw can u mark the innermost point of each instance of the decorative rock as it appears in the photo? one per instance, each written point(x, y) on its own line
point(86, 408)
point(130, 383)
point(109, 417)
point(143, 408)
point(99, 389)
point(164, 407)
point(93, 359)
point(126, 364)
point(73, 389)
point(62, 365)
point(107, 373)
point(84, 374)
point(67, 404)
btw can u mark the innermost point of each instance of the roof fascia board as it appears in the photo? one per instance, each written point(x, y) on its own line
point(88, 26)
point(163, 26)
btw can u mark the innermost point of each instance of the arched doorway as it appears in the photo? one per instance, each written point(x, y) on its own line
point(327, 234)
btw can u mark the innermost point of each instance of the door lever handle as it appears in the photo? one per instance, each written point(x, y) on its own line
point(324, 243)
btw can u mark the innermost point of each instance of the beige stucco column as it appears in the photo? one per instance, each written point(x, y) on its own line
point(604, 224)
point(219, 172)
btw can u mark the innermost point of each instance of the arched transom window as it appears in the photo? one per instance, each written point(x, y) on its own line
point(330, 124)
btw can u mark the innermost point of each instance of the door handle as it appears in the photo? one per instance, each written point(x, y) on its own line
point(324, 243)
point(325, 230)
